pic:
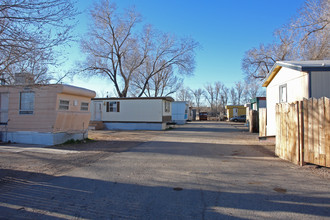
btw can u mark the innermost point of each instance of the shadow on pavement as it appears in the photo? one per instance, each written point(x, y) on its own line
point(205, 150)
point(69, 197)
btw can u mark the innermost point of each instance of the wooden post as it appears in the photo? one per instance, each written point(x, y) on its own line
point(301, 132)
point(327, 131)
point(278, 130)
point(254, 122)
point(306, 128)
point(284, 130)
point(262, 122)
point(296, 132)
point(310, 132)
point(251, 121)
point(316, 131)
point(321, 132)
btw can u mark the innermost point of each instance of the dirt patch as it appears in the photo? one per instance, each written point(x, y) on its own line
point(30, 165)
point(265, 149)
point(280, 190)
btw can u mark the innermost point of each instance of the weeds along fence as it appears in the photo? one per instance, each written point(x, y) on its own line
point(303, 131)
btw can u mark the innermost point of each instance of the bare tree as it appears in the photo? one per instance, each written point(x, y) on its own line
point(197, 95)
point(312, 27)
point(257, 62)
point(213, 96)
point(210, 95)
point(305, 37)
point(164, 83)
point(224, 98)
point(112, 47)
point(167, 52)
point(115, 48)
point(253, 89)
point(233, 96)
point(239, 86)
point(184, 94)
point(29, 31)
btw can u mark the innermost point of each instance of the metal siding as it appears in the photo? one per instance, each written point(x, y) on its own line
point(320, 84)
point(297, 89)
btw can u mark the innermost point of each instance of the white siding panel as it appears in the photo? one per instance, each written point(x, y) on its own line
point(135, 111)
point(297, 89)
point(320, 84)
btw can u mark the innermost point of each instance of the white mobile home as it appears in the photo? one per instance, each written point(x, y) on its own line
point(180, 112)
point(132, 113)
point(290, 81)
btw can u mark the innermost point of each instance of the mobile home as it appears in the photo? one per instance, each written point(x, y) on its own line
point(290, 81)
point(44, 114)
point(180, 112)
point(235, 110)
point(142, 113)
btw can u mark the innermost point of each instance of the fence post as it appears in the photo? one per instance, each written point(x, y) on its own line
point(297, 133)
point(278, 130)
point(321, 133)
point(327, 130)
point(262, 122)
point(306, 130)
point(254, 121)
point(301, 132)
point(316, 131)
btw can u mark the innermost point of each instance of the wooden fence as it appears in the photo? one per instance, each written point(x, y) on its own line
point(262, 122)
point(253, 121)
point(303, 131)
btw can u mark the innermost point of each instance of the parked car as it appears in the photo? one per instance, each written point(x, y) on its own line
point(203, 116)
point(241, 118)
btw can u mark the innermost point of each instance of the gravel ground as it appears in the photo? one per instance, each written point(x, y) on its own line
point(203, 170)
point(101, 145)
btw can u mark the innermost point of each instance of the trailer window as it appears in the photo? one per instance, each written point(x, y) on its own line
point(26, 103)
point(84, 106)
point(167, 106)
point(64, 105)
point(283, 93)
point(113, 107)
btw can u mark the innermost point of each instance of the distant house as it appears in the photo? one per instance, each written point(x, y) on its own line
point(133, 113)
point(255, 104)
point(235, 110)
point(44, 114)
point(258, 102)
point(290, 81)
point(192, 114)
point(180, 110)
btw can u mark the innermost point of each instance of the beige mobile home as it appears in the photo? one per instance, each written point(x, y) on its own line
point(132, 113)
point(290, 81)
point(44, 114)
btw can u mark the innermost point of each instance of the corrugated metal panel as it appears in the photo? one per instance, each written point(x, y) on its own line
point(320, 84)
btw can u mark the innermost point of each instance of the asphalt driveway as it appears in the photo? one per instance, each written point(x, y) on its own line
point(209, 170)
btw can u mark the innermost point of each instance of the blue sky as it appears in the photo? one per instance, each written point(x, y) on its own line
point(224, 29)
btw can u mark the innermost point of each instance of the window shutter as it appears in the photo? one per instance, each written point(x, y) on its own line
point(108, 106)
point(118, 106)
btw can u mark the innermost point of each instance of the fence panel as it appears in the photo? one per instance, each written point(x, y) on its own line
point(278, 129)
point(254, 121)
point(287, 137)
point(327, 131)
point(303, 131)
point(262, 122)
